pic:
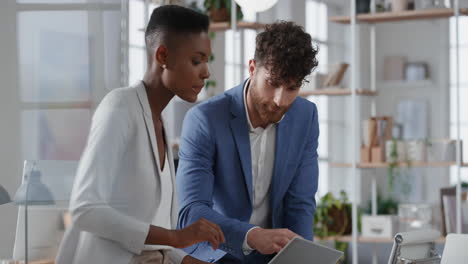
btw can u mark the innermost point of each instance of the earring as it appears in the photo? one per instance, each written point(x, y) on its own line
point(164, 66)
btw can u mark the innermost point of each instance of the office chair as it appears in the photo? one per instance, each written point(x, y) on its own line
point(455, 250)
point(415, 247)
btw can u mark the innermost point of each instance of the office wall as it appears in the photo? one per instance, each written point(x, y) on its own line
point(10, 165)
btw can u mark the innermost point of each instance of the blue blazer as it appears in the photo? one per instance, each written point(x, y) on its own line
point(214, 177)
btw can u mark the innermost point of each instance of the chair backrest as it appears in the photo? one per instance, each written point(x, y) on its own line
point(415, 247)
point(456, 249)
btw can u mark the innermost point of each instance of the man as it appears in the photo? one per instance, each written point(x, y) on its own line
point(123, 204)
point(248, 157)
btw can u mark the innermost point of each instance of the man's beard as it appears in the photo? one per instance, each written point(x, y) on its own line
point(273, 116)
point(268, 114)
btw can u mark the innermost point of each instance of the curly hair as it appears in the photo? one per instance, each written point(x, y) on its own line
point(287, 51)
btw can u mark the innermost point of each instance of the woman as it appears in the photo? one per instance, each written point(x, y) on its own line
point(123, 202)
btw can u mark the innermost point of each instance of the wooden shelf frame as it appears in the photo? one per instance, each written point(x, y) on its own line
point(376, 165)
point(223, 26)
point(336, 92)
point(400, 16)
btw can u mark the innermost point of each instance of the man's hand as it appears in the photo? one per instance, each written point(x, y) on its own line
point(200, 231)
point(191, 260)
point(269, 241)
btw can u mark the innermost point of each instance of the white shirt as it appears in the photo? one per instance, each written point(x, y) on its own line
point(262, 149)
point(161, 218)
point(164, 209)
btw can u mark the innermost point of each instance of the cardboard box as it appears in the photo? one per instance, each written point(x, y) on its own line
point(379, 226)
point(377, 154)
point(365, 154)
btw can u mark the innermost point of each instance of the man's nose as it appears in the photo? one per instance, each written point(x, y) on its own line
point(280, 98)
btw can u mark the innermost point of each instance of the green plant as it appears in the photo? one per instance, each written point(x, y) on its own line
point(392, 164)
point(325, 224)
point(387, 206)
point(395, 171)
point(333, 218)
point(219, 4)
point(193, 5)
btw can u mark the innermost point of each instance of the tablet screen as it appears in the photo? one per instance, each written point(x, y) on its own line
point(301, 251)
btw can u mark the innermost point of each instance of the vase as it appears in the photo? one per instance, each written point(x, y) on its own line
point(416, 150)
point(399, 5)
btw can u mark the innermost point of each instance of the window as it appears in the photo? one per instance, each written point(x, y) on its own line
point(463, 58)
point(316, 26)
point(239, 49)
point(60, 42)
point(136, 38)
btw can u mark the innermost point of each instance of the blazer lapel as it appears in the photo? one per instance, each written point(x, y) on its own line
point(148, 121)
point(240, 132)
point(283, 140)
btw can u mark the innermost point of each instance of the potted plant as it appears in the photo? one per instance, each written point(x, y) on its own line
point(333, 218)
point(387, 206)
point(220, 10)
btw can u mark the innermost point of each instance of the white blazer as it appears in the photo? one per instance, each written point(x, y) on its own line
point(117, 189)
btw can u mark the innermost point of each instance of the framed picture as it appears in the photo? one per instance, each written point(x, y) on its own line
point(448, 206)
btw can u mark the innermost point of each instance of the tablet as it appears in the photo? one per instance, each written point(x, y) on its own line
point(301, 251)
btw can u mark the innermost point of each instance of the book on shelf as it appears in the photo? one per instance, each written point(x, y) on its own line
point(335, 77)
point(376, 131)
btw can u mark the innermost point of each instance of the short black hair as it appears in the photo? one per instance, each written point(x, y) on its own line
point(172, 19)
point(287, 51)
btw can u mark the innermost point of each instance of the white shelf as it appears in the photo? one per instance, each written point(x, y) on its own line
point(336, 92)
point(400, 16)
point(406, 84)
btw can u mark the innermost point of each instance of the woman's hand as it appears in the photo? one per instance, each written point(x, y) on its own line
point(200, 231)
point(191, 260)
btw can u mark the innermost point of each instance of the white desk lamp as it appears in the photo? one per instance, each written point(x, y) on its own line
point(32, 192)
point(4, 196)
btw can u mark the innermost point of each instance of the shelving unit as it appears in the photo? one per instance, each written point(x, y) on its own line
point(336, 92)
point(362, 239)
point(374, 18)
point(387, 165)
point(400, 16)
